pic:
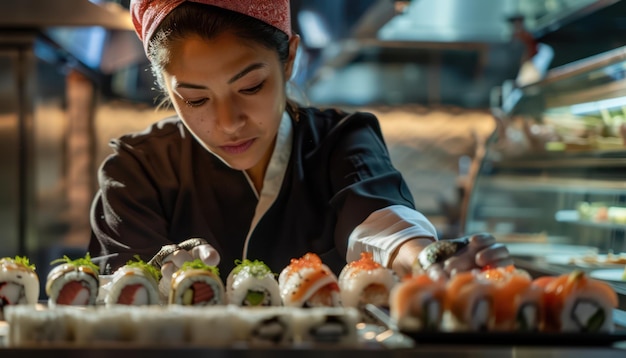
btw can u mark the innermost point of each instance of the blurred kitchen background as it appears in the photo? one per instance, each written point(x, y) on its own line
point(73, 75)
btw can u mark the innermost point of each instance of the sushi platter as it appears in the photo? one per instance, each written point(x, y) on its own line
point(366, 306)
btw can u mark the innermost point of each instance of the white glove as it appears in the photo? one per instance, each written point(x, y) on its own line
point(171, 257)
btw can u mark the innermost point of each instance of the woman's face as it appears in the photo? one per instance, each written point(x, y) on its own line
point(230, 94)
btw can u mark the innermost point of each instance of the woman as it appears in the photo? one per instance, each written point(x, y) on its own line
point(244, 169)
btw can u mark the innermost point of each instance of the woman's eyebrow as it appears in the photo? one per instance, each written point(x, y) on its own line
point(252, 67)
point(245, 71)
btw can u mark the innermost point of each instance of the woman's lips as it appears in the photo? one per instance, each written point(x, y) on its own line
point(237, 148)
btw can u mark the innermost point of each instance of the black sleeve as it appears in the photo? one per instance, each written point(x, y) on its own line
point(362, 176)
point(127, 217)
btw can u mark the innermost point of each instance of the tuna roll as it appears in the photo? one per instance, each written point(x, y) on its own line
point(134, 284)
point(73, 283)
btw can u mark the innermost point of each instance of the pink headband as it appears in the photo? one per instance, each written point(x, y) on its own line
point(148, 14)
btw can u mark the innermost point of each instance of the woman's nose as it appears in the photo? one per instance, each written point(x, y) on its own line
point(230, 117)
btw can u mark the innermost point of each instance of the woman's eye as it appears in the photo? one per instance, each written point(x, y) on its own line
point(253, 90)
point(196, 102)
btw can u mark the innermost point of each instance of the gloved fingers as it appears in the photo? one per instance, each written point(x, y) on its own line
point(178, 258)
point(495, 253)
point(207, 254)
point(478, 241)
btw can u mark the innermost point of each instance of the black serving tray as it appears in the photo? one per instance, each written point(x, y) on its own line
point(543, 339)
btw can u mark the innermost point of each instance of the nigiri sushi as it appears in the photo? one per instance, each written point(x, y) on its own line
point(134, 284)
point(74, 282)
point(197, 284)
point(577, 303)
point(307, 282)
point(417, 303)
point(365, 281)
point(19, 284)
point(252, 283)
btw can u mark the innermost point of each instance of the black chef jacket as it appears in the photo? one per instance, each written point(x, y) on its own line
point(161, 186)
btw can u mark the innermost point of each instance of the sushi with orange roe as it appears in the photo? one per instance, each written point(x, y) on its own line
point(417, 303)
point(308, 282)
point(577, 303)
point(494, 299)
point(517, 304)
point(365, 281)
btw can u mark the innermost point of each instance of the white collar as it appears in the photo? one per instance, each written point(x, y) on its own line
point(274, 174)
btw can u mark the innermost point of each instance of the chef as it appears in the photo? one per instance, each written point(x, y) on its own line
point(241, 170)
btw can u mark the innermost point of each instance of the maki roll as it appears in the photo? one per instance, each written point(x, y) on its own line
point(417, 303)
point(252, 283)
point(495, 299)
point(197, 284)
point(365, 281)
point(318, 326)
point(19, 284)
point(517, 304)
point(307, 282)
point(73, 283)
point(575, 302)
point(134, 284)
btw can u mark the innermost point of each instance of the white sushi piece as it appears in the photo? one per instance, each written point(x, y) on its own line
point(158, 326)
point(263, 326)
point(252, 283)
point(366, 281)
point(417, 303)
point(317, 326)
point(71, 284)
point(106, 326)
point(19, 284)
point(35, 328)
point(209, 326)
point(132, 285)
point(196, 287)
point(307, 282)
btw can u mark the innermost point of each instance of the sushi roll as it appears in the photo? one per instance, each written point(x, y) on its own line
point(417, 303)
point(517, 304)
point(575, 302)
point(134, 284)
point(19, 284)
point(197, 284)
point(202, 321)
point(365, 281)
point(264, 327)
point(307, 282)
point(73, 282)
point(34, 328)
point(494, 299)
point(252, 283)
point(325, 326)
point(469, 303)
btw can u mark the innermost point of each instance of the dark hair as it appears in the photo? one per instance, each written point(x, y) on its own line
point(208, 22)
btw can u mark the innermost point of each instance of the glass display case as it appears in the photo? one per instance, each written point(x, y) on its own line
point(551, 183)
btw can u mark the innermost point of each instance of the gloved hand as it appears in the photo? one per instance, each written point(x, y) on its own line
point(171, 257)
point(445, 258)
